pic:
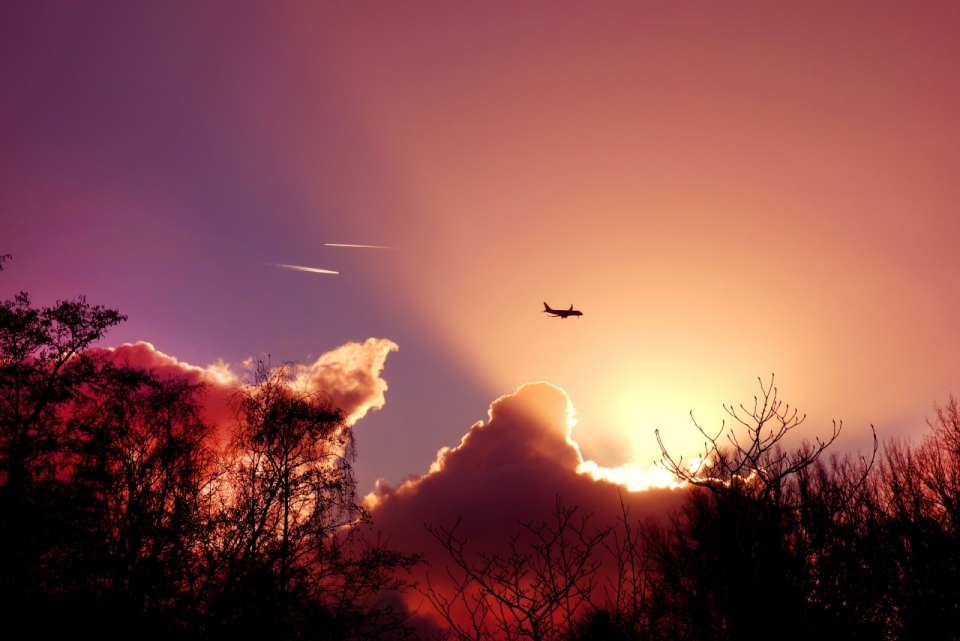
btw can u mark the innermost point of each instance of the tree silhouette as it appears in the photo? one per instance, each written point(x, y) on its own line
point(756, 459)
point(623, 611)
point(120, 511)
point(914, 511)
point(536, 591)
point(44, 370)
point(748, 549)
point(139, 466)
point(291, 552)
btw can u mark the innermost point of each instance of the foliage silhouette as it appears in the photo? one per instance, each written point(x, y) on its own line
point(291, 548)
point(121, 511)
point(43, 372)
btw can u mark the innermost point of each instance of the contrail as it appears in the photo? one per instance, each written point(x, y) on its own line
point(304, 269)
point(362, 246)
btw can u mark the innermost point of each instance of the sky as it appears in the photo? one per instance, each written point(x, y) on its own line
point(728, 191)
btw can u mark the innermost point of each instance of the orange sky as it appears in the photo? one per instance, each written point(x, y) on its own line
point(725, 190)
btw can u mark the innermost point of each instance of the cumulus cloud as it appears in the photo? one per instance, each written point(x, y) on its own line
point(218, 379)
point(350, 374)
point(507, 470)
point(143, 355)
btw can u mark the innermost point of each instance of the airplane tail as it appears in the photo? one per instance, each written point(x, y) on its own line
point(546, 308)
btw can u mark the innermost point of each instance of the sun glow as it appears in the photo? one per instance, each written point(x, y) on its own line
point(631, 475)
point(632, 419)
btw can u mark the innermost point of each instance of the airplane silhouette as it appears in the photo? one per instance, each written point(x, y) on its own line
point(562, 313)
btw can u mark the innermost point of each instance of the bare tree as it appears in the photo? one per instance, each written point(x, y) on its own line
point(627, 592)
point(756, 458)
point(536, 591)
point(916, 528)
point(754, 544)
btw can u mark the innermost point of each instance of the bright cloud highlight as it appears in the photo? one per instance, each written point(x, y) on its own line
point(349, 374)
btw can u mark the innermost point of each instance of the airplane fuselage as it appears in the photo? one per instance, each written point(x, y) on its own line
point(561, 313)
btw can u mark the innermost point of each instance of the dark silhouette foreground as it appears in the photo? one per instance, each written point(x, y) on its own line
point(121, 516)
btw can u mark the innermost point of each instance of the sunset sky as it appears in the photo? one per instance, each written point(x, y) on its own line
point(726, 190)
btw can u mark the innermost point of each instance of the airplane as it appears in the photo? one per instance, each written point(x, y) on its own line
point(562, 313)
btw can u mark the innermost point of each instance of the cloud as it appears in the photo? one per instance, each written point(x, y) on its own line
point(508, 470)
point(143, 355)
point(350, 374)
point(218, 379)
